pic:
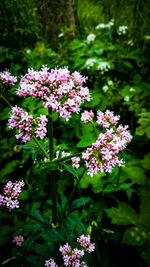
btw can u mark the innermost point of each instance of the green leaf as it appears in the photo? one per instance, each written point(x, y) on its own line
point(9, 167)
point(134, 236)
point(79, 202)
point(135, 174)
point(37, 215)
point(75, 221)
point(146, 162)
point(8, 260)
point(70, 169)
point(124, 214)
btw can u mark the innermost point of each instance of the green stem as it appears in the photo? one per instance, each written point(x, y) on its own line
point(68, 157)
point(51, 153)
point(116, 184)
point(72, 193)
point(6, 101)
point(40, 146)
point(95, 129)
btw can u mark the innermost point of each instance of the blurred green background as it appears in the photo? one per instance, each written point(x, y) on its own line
point(58, 33)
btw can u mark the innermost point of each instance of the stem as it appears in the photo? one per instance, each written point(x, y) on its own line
point(95, 130)
point(73, 191)
point(51, 154)
point(40, 146)
point(118, 177)
point(6, 101)
point(68, 157)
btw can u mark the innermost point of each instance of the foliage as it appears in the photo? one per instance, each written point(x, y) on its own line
point(112, 208)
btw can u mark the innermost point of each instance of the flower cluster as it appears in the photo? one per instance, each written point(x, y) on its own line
point(11, 194)
point(50, 263)
point(71, 257)
point(105, 26)
point(122, 30)
point(103, 155)
point(18, 240)
point(59, 90)
point(7, 79)
point(24, 122)
point(86, 244)
point(40, 130)
point(87, 116)
point(103, 67)
point(90, 38)
point(75, 160)
point(90, 63)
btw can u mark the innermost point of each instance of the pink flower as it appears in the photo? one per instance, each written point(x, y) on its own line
point(87, 116)
point(59, 90)
point(11, 194)
point(86, 244)
point(7, 79)
point(50, 263)
point(18, 240)
point(24, 122)
point(75, 162)
point(103, 155)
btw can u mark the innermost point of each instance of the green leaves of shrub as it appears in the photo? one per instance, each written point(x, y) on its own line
point(124, 214)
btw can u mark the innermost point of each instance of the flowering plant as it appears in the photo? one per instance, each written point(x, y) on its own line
point(63, 93)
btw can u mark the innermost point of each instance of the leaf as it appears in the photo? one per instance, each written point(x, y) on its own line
point(134, 236)
point(127, 64)
point(70, 169)
point(9, 167)
point(40, 249)
point(27, 146)
point(8, 260)
point(58, 236)
point(124, 214)
point(135, 174)
point(146, 162)
point(75, 221)
point(33, 227)
point(79, 202)
point(37, 215)
point(63, 200)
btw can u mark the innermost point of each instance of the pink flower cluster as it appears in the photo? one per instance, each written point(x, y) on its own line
point(103, 155)
point(59, 90)
point(71, 257)
point(50, 263)
point(7, 79)
point(18, 240)
point(107, 119)
point(11, 194)
point(24, 122)
point(87, 116)
point(75, 160)
point(86, 244)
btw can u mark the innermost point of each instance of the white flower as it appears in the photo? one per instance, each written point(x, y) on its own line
point(105, 88)
point(132, 89)
point(110, 83)
point(130, 42)
point(100, 26)
point(122, 30)
point(147, 37)
point(126, 98)
point(103, 66)
point(105, 26)
point(90, 63)
point(91, 37)
point(28, 51)
point(61, 35)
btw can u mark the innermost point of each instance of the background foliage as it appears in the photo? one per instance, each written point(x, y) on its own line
point(55, 33)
